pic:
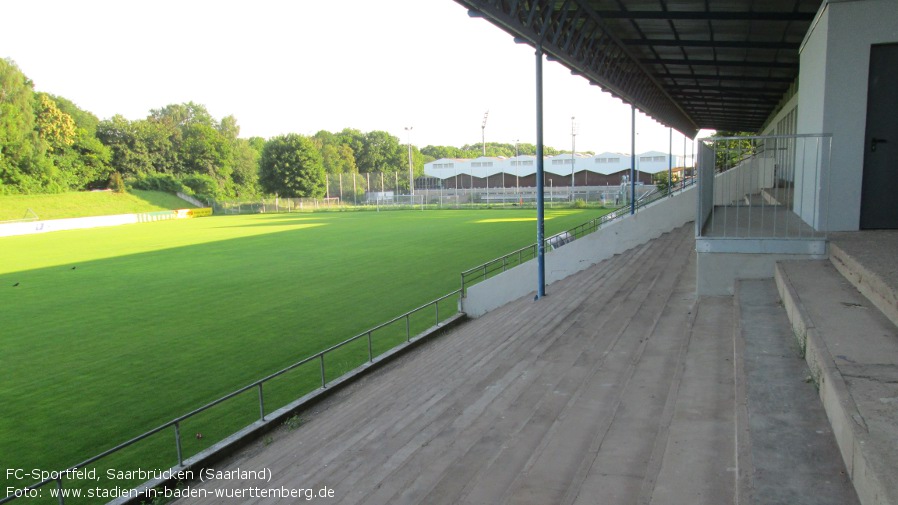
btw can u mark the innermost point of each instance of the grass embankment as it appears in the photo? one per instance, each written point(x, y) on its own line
point(113, 331)
point(89, 203)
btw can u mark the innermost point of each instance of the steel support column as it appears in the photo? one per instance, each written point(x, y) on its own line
point(540, 183)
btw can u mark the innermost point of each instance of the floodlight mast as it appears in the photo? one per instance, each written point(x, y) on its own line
point(483, 132)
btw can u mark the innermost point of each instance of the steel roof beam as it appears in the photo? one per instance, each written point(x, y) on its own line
point(734, 91)
point(709, 15)
point(711, 43)
point(741, 78)
point(719, 63)
point(693, 98)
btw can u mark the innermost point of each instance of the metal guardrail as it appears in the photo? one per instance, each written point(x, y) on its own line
point(519, 256)
point(771, 186)
point(175, 423)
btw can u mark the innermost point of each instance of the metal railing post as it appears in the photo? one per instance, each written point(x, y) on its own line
point(261, 404)
point(437, 306)
point(59, 489)
point(370, 352)
point(323, 383)
point(178, 443)
point(408, 331)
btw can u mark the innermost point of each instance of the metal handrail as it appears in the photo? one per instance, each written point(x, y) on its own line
point(175, 423)
point(503, 263)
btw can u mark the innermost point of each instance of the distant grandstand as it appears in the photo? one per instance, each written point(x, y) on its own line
point(605, 169)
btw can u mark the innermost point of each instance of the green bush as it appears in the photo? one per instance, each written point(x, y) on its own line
point(579, 203)
point(160, 182)
point(116, 183)
point(201, 185)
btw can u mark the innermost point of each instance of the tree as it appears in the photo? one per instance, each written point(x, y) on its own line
point(291, 166)
point(85, 164)
point(381, 152)
point(83, 119)
point(183, 114)
point(353, 138)
point(17, 136)
point(229, 128)
point(53, 125)
point(130, 144)
point(660, 182)
point(729, 153)
point(245, 173)
point(204, 151)
point(440, 152)
point(338, 157)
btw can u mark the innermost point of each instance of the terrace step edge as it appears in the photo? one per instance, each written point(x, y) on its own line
point(844, 416)
point(872, 286)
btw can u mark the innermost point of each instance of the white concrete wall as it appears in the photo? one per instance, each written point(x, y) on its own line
point(835, 60)
point(614, 238)
point(812, 85)
point(787, 108)
point(716, 273)
point(746, 178)
point(705, 199)
point(76, 223)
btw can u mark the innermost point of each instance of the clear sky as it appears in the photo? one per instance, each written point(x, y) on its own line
point(301, 66)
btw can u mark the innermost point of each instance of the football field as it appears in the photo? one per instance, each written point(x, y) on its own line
point(109, 332)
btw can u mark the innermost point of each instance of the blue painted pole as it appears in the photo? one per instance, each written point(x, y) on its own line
point(633, 159)
point(540, 183)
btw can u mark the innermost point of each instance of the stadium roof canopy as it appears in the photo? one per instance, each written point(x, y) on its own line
point(690, 64)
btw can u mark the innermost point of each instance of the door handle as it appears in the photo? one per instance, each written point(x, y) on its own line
point(874, 141)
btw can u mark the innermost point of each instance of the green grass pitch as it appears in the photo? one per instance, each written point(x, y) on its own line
point(113, 331)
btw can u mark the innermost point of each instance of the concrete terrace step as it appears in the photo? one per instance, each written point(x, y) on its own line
point(869, 259)
point(787, 450)
point(697, 461)
point(852, 351)
point(596, 393)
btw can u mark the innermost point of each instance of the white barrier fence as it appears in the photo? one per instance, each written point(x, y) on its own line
point(76, 223)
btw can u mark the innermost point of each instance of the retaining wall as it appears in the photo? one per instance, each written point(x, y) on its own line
point(614, 238)
point(76, 223)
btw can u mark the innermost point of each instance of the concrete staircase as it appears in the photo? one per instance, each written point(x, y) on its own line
point(851, 348)
point(786, 449)
point(745, 424)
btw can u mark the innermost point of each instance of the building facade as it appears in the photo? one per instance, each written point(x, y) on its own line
point(605, 169)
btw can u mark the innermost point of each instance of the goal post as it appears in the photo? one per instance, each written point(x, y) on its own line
point(411, 201)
